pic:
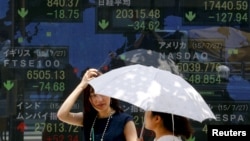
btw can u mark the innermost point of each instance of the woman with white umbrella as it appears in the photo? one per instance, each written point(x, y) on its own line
point(102, 118)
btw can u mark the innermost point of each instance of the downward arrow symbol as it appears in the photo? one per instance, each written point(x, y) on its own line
point(103, 24)
point(8, 85)
point(23, 12)
point(190, 15)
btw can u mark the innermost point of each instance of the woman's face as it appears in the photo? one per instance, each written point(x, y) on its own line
point(99, 102)
point(149, 120)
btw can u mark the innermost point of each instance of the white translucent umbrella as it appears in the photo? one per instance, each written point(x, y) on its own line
point(153, 89)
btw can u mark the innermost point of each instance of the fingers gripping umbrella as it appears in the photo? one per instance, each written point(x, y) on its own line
point(153, 89)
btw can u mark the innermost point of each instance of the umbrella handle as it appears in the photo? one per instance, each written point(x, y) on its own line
point(142, 129)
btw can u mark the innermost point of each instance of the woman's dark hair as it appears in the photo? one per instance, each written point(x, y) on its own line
point(182, 126)
point(88, 108)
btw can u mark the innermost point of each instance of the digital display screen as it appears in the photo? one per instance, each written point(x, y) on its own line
point(130, 16)
point(48, 10)
point(45, 46)
point(214, 12)
point(127, 19)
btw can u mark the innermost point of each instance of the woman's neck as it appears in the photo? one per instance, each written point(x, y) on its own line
point(106, 113)
point(159, 132)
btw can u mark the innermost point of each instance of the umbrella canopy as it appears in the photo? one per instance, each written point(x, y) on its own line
point(153, 89)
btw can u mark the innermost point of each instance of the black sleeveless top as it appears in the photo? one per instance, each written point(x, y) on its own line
point(114, 131)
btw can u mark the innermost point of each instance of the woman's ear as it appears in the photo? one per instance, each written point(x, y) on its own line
point(157, 118)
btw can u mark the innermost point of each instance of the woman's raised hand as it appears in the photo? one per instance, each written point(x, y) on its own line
point(90, 74)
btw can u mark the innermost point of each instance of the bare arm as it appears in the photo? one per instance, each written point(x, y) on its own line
point(130, 131)
point(64, 113)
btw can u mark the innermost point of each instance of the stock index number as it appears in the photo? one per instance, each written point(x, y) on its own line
point(55, 128)
point(137, 13)
point(146, 26)
point(51, 86)
point(142, 18)
point(204, 79)
point(226, 5)
point(191, 67)
point(45, 74)
point(63, 3)
point(64, 10)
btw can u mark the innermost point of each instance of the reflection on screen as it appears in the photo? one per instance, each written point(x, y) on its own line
point(46, 44)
